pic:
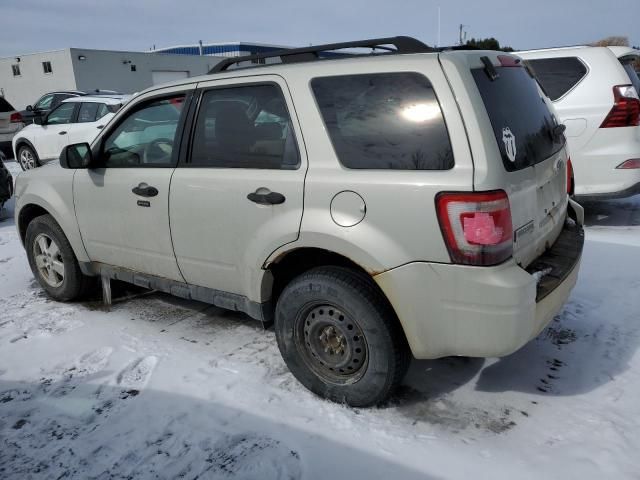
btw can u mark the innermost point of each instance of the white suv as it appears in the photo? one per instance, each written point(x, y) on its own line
point(75, 120)
point(372, 206)
point(595, 93)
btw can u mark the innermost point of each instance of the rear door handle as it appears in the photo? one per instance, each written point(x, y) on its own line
point(264, 196)
point(62, 133)
point(145, 190)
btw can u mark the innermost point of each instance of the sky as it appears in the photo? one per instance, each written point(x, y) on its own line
point(39, 25)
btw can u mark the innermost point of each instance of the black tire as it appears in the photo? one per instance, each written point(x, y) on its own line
point(23, 153)
point(330, 308)
point(74, 284)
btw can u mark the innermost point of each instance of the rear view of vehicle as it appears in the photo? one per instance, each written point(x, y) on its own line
point(595, 93)
point(10, 124)
point(514, 251)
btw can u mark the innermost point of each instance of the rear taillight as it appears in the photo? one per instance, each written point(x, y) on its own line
point(626, 108)
point(569, 177)
point(630, 164)
point(476, 226)
point(15, 118)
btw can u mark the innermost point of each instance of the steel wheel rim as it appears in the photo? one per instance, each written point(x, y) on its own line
point(332, 344)
point(27, 160)
point(48, 258)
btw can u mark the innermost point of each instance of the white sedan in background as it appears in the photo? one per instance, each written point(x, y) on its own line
point(75, 120)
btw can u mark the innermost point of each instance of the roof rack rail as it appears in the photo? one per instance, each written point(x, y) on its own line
point(306, 54)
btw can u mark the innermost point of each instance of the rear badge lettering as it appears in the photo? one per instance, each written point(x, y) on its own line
point(509, 140)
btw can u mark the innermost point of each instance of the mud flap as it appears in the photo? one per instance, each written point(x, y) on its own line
point(106, 291)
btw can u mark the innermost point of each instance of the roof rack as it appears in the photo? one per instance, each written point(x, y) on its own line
point(307, 54)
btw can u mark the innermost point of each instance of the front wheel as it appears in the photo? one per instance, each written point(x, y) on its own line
point(340, 338)
point(52, 260)
point(27, 158)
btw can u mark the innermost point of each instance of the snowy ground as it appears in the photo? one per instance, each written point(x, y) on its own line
point(164, 388)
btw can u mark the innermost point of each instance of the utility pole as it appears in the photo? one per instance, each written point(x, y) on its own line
point(438, 43)
point(462, 35)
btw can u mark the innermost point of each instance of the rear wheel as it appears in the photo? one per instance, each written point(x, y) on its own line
point(27, 158)
point(52, 260)
point(340, 338)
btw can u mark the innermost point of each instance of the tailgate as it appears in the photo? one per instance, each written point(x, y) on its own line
point(533, 157)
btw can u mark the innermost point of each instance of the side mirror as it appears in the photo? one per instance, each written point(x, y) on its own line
point(29, 108)
point(76, 156)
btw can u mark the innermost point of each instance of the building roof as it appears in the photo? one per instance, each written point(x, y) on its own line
point(219, 48)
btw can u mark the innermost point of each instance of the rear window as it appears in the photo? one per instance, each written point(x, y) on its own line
point(633, 76)
point(5, 106)
point(384, 121)
point(558, 75)
point(521, 120)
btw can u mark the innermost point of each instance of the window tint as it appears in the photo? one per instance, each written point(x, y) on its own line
point(244, 127)
point(521, 120)
point(62, 114)
point(103, 109)
point(5, 106)
point(558, 75)
point(44, 103)
point(146, 137)
point(633, 76)
point(87, 112)
point(384, 121)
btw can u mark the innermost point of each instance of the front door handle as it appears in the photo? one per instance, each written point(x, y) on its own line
point(100, 127)
point(62, 133)
point(145, 190)
point(264, 196)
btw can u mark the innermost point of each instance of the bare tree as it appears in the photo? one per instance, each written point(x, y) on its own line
point(612, 42)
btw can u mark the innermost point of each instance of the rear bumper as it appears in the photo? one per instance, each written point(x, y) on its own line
point(594, 165)
point(482, 311)
point(627, 192)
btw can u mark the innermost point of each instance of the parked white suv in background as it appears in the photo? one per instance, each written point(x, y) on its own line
point(595, 93)
point(75, 120)
point(10, 124)
point(371, 206)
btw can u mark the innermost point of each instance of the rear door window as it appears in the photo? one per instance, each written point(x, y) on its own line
point(87, 112)
point(384, 121)
point(521, 121)
point(558, 75)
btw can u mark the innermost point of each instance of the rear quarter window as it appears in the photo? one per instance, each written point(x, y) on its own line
point(558, 75)
point(522, 123)
point(384, 121)
point(633, 75)
point(5, 106)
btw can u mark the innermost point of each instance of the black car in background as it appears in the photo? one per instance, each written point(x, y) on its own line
point(6, 182)
point(47, 102)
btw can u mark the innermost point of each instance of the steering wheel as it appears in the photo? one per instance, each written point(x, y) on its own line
point(158, 151)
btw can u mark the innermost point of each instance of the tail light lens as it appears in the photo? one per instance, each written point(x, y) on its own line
point(626, 108)
point(15, 118)
point(630, 164)
point(476, 226)
point(569, 177)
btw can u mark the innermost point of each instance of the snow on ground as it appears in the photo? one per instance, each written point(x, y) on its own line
point(164, 388)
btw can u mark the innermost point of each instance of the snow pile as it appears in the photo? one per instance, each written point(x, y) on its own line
point(164, 388)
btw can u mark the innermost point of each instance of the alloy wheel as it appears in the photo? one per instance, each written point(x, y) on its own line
point(48, 260)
